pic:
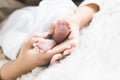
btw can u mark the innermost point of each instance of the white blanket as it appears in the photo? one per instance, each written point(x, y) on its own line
point(97, 58)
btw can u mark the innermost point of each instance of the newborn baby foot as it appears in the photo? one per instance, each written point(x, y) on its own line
point(42, 44)
point(61, 31)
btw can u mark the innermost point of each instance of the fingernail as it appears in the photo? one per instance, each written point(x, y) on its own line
point(66, 53)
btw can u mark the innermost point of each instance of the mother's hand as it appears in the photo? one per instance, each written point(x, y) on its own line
point(32, 57)
point(72, 40)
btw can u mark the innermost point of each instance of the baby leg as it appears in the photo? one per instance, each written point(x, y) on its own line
point(61, 31)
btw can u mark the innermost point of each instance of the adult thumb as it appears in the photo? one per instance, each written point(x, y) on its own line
point(28, 42)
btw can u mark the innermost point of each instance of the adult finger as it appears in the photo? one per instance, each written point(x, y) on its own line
point(67, 52)
point(45, 34)
point(52, 28)
point(56, 57)
point(58, 49)
point(28, 43)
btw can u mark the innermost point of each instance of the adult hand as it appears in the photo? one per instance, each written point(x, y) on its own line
point(32, 57)
point(28, 59)
point(72, 40)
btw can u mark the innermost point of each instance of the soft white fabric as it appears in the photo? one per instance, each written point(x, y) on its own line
point(98, 56)
point(26, 21)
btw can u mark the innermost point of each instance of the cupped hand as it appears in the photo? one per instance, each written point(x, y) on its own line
point(32, 58)
point(72, 40)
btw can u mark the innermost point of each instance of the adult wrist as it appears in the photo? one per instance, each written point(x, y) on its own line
point(23, 65)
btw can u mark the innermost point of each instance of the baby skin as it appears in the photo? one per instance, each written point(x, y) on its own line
point(59, 34)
